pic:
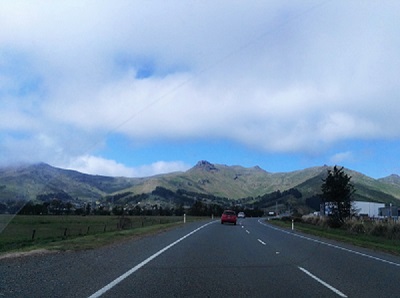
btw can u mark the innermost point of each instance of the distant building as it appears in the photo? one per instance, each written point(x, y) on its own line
point(369, 209)
point(390, 211)
point(361, 208)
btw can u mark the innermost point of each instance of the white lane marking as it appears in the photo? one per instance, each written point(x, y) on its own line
point(140, 265)
point(322, 282)
point(332, 245)
point(262, 242)
point(247, 231)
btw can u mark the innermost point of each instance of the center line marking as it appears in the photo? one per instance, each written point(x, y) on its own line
point(247, 231)
point(323, 283)
point(262, 242)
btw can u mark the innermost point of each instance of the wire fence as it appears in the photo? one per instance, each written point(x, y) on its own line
point(31, 228)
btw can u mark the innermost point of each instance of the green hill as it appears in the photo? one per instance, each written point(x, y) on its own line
point(230, 182)
point(26, 182)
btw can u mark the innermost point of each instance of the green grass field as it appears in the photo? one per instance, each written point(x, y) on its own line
point(28, 232)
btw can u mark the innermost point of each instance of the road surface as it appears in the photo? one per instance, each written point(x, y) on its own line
point(207, 259)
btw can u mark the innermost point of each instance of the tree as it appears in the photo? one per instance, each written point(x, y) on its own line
point(118, 210)
point(337, 192)
point(88, 209)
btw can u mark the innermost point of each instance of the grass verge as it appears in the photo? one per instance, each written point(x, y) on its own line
point(14, 238)
point(366, 241)
point(98, 240)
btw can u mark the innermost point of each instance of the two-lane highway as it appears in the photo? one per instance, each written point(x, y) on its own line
point(255, 259)
point(209, 260)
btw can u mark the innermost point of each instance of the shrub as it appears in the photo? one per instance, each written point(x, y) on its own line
point(358, 228)
point(296, 219)
point(380, 230)
point(394, 231)
point(315, 220)
point(334, 222)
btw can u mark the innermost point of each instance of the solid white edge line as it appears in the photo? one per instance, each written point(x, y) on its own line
point(323, 283)
point(332, 245)
point(140, 265)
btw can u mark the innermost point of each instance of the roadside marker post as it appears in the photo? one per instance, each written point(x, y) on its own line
point(292, 224)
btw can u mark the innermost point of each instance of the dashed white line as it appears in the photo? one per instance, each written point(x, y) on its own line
point(322, 282)
point(247, 231)
point(262, 242)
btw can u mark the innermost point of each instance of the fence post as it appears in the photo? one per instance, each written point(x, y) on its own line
point(65, 232)
point(33, 234)
point(88, 228)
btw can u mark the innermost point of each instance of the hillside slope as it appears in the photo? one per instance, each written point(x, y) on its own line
point(232, 182)
point(26, 182)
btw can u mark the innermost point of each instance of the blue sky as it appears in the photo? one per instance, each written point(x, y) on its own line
point(138, 88)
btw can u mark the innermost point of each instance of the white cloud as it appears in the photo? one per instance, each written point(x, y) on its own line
point(161, 167)
point(342, 157)
point(100, 166)
point(280, 76)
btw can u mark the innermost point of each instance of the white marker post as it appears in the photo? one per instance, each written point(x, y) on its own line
point(184, 218)
point(292, 224)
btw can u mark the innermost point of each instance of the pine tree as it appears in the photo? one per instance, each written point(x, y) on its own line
point(337, 192)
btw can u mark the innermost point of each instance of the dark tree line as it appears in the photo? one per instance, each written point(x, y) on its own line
point(270, 199)
point(202, 209)
point(126, 198)
point(55, 206)
point(172, 203)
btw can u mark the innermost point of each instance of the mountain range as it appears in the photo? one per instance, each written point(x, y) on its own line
point(230, 182)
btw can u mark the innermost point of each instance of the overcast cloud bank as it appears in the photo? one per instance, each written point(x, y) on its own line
point(278, 76)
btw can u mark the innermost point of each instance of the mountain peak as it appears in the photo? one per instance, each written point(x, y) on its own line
point(258, 168)
point(205, 166)
point(392, 179)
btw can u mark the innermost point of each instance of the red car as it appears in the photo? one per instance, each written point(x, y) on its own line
point(228, 216)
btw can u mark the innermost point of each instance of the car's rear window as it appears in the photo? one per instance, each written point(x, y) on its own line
point(229, 213)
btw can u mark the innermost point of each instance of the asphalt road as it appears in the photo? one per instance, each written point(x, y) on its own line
point(207, 259)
